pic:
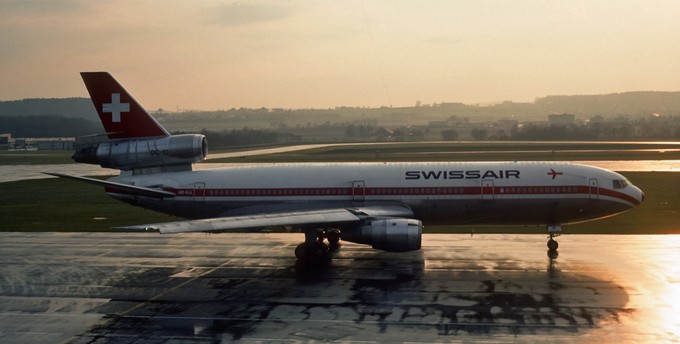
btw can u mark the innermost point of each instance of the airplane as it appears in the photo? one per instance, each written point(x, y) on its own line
point(380, 204)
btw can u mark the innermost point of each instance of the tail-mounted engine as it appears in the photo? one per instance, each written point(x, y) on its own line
point(395, 234)
point(132, 154)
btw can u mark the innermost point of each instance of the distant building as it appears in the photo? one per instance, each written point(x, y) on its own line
point(20, 144)
point(64, 143)
point(4, 141)
point(384, 134)
point(55, 145)
point(564, 118)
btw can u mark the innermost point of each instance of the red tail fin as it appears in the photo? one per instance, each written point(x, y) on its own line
point(120, 114)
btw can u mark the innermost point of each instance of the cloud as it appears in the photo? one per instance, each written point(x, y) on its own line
point(241, 14)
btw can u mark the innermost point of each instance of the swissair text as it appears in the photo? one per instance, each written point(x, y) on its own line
point(473, 174)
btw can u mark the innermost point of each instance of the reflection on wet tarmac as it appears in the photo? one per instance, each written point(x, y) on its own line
point(110, 287)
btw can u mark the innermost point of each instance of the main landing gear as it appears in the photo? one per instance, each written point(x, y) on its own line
point(314, 250)
point(553, 231)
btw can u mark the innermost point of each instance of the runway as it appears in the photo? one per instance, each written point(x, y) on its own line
point(144, 287)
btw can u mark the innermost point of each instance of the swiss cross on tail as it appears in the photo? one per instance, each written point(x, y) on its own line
point(554, 173)
point(120, 114)
point(115, 107)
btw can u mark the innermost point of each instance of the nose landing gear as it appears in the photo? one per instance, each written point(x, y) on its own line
point(552, 244)
point(553, 231)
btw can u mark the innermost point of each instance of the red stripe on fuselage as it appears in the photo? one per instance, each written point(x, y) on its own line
point(407, 191)
point(619, 195)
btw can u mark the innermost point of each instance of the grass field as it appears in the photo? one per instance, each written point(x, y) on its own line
point(35, 157)
point(64, 205)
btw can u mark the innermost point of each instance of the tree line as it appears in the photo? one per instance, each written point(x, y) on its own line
point(48, 126)
point(651, 127)
point(247, 137)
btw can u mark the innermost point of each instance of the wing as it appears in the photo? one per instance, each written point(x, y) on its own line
point(324, 216)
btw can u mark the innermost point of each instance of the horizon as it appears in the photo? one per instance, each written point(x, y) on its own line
point(488, 104)
point(298, 55)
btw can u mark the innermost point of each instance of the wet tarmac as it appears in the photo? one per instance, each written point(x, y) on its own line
point(131, 288)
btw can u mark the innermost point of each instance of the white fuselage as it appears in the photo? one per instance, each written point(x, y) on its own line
point(456, 193)
point(381, 204)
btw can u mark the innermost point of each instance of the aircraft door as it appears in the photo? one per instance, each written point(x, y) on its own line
point(593, 188)
point(358, 191)
point(487, 190)
point(199, 192)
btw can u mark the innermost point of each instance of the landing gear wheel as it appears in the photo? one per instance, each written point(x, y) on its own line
point(302, 251)
point(320, 252)
point(333, 237)
point(316, 252)
point(553, 245)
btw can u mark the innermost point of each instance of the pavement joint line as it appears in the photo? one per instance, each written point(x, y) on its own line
point(373, 322)
point(125, 313)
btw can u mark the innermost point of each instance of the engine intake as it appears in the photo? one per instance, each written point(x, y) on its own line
point(131, 154)
point(394, 234)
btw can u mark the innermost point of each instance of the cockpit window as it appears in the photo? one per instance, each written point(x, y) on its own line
point(620, 183)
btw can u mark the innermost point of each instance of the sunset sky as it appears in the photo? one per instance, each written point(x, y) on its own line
point(305, 54)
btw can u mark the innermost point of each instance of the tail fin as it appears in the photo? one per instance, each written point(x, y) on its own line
point(120, 114)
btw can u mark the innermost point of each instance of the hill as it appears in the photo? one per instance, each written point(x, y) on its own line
point(48, 126)
point(66, 107)
point(628, 103)
point(18, 117)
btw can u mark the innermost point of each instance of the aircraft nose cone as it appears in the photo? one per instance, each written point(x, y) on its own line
point(638, 194)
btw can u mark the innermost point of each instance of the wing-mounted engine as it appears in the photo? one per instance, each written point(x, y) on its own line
point(142, 153)
point(392, 234)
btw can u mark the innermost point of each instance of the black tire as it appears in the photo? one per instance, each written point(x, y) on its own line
point(333, 236)
point(301, 252)
point(320, 252)
point(553, 245)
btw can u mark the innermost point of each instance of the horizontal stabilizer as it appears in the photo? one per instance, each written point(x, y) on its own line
point(129, 189)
